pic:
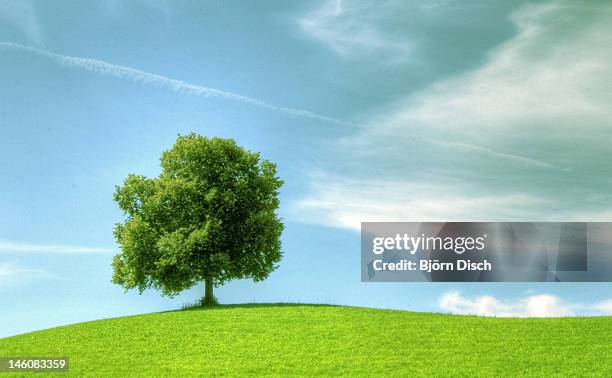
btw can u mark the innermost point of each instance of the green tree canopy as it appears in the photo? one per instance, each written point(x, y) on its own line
point(210, 216)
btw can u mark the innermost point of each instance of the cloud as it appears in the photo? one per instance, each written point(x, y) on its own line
point(19, 247)
point(21, 14)
point(347, 203)
point(532, 306)
point(11, 269)
point(11, 272)
point(353, 29)
point(492, 153)
point(179, 86)
point(533, 76)
point(605, 307)
point(523, 136)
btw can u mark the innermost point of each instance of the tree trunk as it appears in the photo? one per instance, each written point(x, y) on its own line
point(209, 298)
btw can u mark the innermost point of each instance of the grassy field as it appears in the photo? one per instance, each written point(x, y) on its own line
point(323, 340)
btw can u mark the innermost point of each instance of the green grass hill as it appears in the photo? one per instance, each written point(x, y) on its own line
point(311, 340)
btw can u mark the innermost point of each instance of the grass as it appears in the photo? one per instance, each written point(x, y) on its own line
point(323, 340)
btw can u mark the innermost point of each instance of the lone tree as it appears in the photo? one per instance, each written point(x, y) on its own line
point(210, 216)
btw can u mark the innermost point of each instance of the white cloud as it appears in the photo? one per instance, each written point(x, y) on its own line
point(605, 307)
point(346, 203)
point(11, 269)
point(354, 29)
point(514, 139)
point(21, 14)
point(11, 272)
point(537, 75)
point(10, 246)
point(138, 76)
point(532, 306)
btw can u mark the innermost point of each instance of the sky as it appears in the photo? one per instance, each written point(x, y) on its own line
point(373, 111)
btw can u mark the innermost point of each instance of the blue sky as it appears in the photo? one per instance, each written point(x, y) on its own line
point(393, 111)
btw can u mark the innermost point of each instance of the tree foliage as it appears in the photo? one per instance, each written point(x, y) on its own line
point(210, 215)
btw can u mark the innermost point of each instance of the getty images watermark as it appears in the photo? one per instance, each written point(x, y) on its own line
point(486, 252)
point(412, 244)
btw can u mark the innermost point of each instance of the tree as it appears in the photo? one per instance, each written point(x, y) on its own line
point(210, 216)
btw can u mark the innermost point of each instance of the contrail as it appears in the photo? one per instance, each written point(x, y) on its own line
point(8, 246)
point(494, 153)
point(179, 86)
